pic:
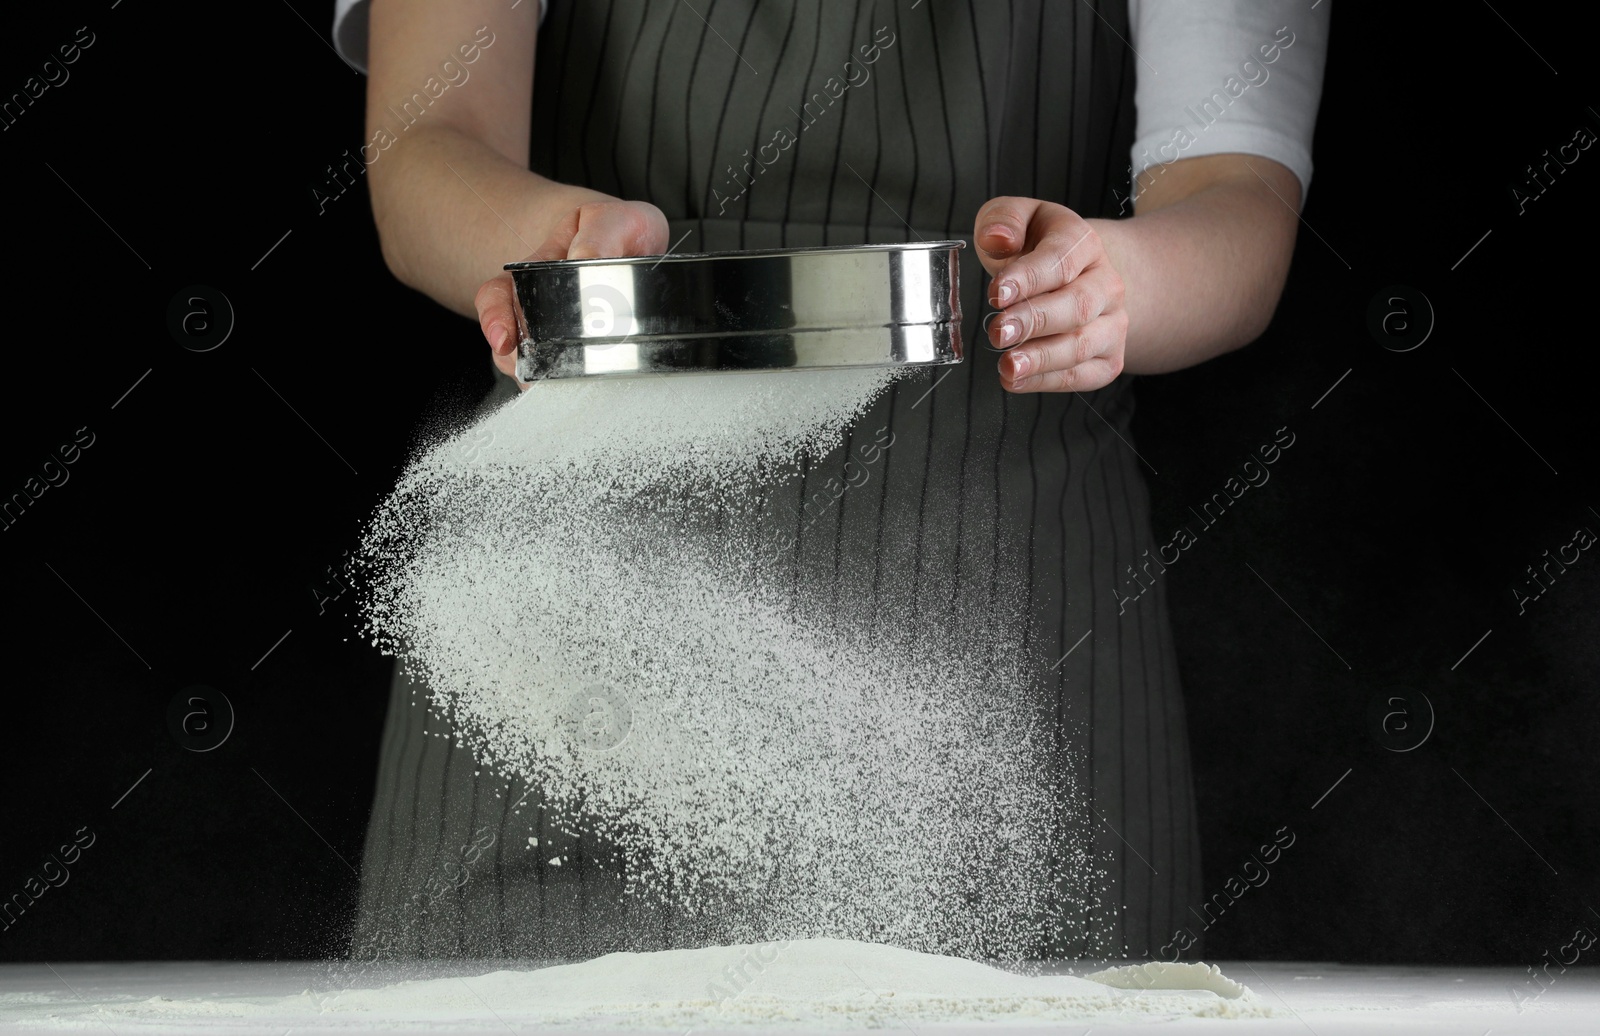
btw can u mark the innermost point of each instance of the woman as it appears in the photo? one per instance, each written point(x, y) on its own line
point(631, 128)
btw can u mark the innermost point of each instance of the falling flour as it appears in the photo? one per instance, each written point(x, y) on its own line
point(584, 580)
point(855, 801)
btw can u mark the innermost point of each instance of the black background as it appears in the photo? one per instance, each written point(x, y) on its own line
point(199, 523)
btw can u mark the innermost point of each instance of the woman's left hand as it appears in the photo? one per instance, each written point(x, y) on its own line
point(1061, 319)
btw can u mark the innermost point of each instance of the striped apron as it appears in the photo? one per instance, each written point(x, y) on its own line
point(878, 123)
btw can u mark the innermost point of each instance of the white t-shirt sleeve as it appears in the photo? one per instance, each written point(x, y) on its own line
point(1228, 76)
point(350, 29)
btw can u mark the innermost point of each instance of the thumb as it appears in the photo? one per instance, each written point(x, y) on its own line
point(619, 229)
point(496, 299)
point(554, 247)
point(497, 315)
point(1000, 231)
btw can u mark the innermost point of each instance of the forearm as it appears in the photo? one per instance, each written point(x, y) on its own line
point(451, 211)
point(1203, 270)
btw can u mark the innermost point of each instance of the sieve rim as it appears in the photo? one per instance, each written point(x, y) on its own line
point(758, 253)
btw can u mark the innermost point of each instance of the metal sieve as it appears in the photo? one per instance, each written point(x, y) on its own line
point(774, 309)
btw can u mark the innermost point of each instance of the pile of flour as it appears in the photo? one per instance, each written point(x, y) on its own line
point(583, 579)
point(812, 984)
point(817, 983)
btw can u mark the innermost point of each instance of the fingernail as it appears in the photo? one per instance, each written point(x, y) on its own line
point(1010, 331)
point(500, 338)
point(1019, 365)
point(999, 230)
point(1008, 291)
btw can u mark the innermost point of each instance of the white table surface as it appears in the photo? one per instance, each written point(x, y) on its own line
point(1320, 999)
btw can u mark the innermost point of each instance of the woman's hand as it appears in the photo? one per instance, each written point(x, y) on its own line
point(600, 229)
point(1061, 318)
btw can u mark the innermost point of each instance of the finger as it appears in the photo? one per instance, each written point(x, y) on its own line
point(1000, 231)
point(608, 230)
point(1086, 377)
point(1050, 361)
point(1077, 305)
point(1055, 353)
point(1068, 247)
point(497, 316)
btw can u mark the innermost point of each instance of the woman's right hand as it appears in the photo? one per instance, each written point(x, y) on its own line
point(601, 229)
